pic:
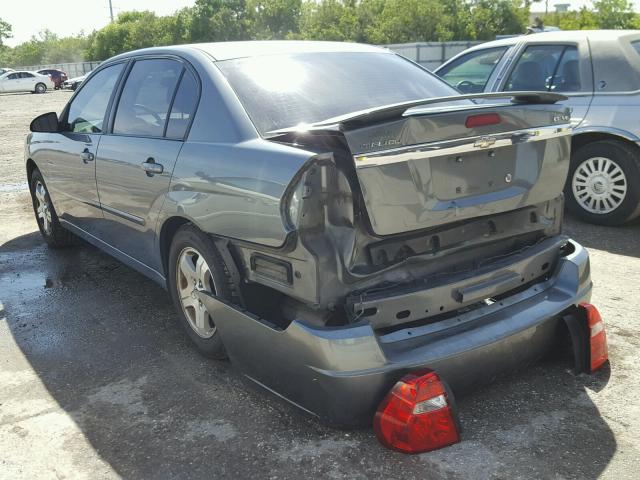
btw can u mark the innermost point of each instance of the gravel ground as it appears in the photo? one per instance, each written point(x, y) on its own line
point(97, 380)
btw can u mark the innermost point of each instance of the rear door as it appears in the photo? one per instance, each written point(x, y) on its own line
point(69, 166)
point(27, 81)
point(555, 67)
point(135, 161)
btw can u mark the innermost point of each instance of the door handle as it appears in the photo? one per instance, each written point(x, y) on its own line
point(87, 156)
point(151, 167)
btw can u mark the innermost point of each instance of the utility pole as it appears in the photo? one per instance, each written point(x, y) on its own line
point(111, 11)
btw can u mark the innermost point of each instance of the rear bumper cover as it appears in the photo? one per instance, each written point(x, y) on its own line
point(341, 374)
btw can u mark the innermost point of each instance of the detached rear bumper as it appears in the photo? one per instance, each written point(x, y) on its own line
point(341, 374)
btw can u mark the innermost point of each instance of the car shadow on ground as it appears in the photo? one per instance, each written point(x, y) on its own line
point(624, 240)
point(104, 342)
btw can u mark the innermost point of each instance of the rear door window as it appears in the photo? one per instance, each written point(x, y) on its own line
point(87, 110)
point(183, 108)
point(470, 73)
point(546, 68)
point(144, 104)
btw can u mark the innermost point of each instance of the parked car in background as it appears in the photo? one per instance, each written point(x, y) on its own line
point(74, 83)
point(5, 70)
point(57, 76)
point(337, 220)
point(600, 73)
point(23, 81)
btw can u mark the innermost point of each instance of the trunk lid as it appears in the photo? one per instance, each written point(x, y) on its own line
point(427, 167)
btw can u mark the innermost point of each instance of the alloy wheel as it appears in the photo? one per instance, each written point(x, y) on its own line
point(193, 275)
point(599, 185)
point(43, 207)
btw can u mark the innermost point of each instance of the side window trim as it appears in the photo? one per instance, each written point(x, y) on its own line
point(173, 99)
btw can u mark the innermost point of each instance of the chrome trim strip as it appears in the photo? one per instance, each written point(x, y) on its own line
point(125, 215)
point(456, 147)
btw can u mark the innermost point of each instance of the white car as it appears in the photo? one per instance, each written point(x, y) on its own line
point(74, 83)
point(23, 81)
point(5, 70)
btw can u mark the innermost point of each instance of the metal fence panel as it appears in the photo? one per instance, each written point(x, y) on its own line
point(71, 69)
point(430, 54)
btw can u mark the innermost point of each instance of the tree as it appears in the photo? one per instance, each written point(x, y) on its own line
point(5, 31)
point(328, 20)
point(616, 14)
point(219, 20)
point(402, 21)
point(496, 17)
point(273, 19)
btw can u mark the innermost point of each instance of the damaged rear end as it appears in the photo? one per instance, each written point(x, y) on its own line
point(424, 235)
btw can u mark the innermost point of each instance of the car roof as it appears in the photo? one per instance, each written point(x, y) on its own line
point(561, 36)
point(231, 50)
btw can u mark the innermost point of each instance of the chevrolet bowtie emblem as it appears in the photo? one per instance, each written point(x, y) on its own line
point(484, 142)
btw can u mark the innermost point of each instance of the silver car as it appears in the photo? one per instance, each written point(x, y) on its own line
point(329, 216)
point(600, 73)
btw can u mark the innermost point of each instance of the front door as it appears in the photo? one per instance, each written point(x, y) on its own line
point(70, 167)
point(11, 83)
point(135, 161)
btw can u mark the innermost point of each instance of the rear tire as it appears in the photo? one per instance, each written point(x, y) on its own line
point(603, 185)
point(40, 88)
point(195, 264)
point(53, 233)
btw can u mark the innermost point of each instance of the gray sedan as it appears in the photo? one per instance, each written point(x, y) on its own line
point(336, 220)
point(600, 73)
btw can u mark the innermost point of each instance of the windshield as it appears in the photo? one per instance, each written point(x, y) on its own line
point(282, 91)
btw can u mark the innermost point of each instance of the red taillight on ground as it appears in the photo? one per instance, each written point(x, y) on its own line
point(416, 415)
point(482, 120)
point(599, 352)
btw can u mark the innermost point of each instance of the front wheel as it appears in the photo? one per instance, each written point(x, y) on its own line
point(603, 185)
point(41, 88)
point(195, 264)
point(53, 233)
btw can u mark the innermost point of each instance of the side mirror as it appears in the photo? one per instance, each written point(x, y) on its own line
point(45, 123)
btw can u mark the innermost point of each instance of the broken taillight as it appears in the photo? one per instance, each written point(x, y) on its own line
point(416, 415)
point(599, 352)
point(482, 120)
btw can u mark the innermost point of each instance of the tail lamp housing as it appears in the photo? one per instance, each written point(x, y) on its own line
point(482, 120)
point(598, 349)
point(417, 415)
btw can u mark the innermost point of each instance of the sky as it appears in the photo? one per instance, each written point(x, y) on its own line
point(28, 17)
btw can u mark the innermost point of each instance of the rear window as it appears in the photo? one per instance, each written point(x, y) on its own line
point(281, 91)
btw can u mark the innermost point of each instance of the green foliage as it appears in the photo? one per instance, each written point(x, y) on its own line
point(46, 48)
point(329, 20)
point(5, 31)
point(371, 21)
point(614, 13)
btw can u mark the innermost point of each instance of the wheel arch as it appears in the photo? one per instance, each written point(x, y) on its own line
point(167, 232)
point(580, 138)
point(31, 166)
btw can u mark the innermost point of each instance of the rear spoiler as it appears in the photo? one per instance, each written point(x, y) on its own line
point(397, 109)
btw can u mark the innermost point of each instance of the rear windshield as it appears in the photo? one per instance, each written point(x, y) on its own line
point(282, 91)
